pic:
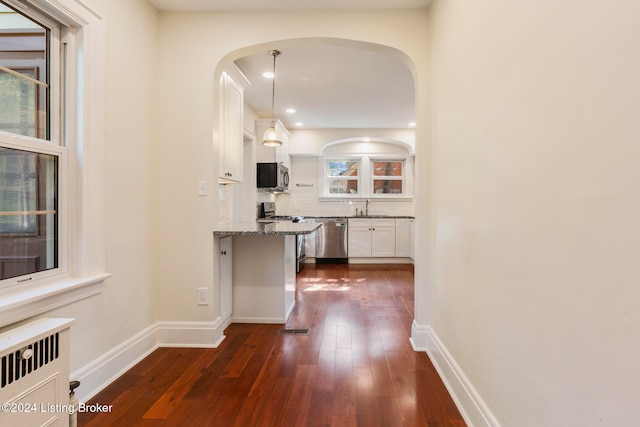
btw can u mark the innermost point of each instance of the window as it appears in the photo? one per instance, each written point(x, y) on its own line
point(388, 176)
point(343, 177)
point(367, 175)
point(52, 104)
point(30, 149)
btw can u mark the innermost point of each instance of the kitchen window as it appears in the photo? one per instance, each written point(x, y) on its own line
point(388, 176)
point(343, 177)
point(365, 175)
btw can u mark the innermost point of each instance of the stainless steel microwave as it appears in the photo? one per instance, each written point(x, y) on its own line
point(273, 176)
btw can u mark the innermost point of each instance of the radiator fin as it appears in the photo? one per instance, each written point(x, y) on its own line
point(14, 366)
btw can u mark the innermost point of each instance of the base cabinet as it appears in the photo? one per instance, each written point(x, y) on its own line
point(375, 237)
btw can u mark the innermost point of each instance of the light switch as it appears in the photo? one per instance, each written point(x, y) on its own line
point(202, 188)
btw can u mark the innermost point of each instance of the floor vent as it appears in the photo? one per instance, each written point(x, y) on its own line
point(287, 331)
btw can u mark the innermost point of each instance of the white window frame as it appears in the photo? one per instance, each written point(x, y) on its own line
point(402, 178)
point(81, 270)
point(327, 178)
point(365, 176)
point(55, 145)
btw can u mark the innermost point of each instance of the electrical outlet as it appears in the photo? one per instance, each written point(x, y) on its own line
point(202, 296)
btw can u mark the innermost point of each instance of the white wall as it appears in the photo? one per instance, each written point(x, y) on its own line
point(305, 142)
point(125, 307)
point(535, 132)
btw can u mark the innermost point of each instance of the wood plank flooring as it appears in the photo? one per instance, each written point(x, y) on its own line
point(356, 366)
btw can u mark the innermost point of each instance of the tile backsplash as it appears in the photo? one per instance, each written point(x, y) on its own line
point(305, 202)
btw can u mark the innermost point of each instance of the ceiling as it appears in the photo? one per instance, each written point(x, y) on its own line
point(330, 86)
point(213, 5)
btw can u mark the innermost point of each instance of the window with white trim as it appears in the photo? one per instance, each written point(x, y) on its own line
point(366, 175)
point(387, 177)
point(342, 176)
point(32, 150)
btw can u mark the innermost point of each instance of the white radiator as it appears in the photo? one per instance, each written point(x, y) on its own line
point(34, 369)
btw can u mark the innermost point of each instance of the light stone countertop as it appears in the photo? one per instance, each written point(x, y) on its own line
point(264, 228)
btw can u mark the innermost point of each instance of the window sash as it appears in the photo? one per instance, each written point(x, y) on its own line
point(342, 177)
point(45, 143)
point(383, 184)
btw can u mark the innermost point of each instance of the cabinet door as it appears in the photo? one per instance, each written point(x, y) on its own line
point(359, 238)
point(226, 277)
point(383, 237)
point(403, 237)
point(232, 130)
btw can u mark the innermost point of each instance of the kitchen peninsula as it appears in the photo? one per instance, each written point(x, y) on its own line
point(262, 281)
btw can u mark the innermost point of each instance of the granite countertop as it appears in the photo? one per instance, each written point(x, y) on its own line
point(265, 228)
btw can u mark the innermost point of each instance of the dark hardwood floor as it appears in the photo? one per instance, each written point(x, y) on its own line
point(356, 366)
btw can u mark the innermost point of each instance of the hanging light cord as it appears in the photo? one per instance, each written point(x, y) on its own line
point(273, 53)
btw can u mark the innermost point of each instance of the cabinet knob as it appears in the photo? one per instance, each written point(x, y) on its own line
point(223, 252)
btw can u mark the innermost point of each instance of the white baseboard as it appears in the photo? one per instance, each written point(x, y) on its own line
point(190, 334)
point(390, 260)
point(266, 320)
point(474, 410)
point(97, 375)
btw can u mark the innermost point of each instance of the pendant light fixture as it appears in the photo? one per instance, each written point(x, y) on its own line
point(272, 136)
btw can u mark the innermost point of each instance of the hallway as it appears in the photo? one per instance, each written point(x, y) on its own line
point(355, 367)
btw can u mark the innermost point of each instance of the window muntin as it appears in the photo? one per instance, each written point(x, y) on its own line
point(31, 157)
point(388, 176)
point(343, 177)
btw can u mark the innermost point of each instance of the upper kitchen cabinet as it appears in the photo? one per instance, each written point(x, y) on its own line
point(272, 154)
point(232, 84)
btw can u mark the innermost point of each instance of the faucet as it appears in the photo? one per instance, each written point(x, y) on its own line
point(367, 208)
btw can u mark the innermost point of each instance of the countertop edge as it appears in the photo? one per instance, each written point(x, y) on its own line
point(274, 229)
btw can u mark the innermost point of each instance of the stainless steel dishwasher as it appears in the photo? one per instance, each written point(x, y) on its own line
point(331, 241)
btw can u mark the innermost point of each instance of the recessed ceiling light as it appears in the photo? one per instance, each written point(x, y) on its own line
point(299, 124)
point(268, 75)
point(366, 139)
point(412, 124)
point(291, 110)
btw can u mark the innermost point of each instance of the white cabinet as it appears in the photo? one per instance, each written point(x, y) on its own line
point(232, 84)
point(372, 237)
point(272, 154)
point(359, 239)
point(226, 277)
point(404, 237)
